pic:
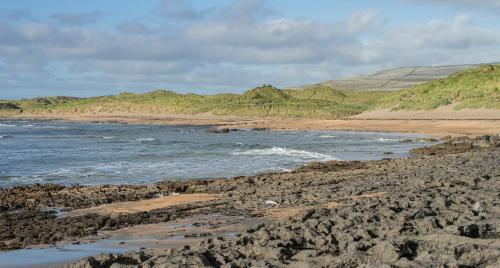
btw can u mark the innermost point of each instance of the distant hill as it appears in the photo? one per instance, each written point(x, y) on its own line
point(395, 79)
point(474, 88)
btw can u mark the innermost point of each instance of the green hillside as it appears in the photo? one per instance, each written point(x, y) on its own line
point(266, 100)
point(266, 93)
point(475, 88)
point(317, 92)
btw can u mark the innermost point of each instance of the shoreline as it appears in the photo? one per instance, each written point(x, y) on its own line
point(366, 198)
point(434, 127)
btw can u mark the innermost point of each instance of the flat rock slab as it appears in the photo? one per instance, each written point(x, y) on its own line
point(143, 205)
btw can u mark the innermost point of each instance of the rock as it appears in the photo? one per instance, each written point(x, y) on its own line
point(271, 202)
point(118, 265)
point(474, 256)
point(385, 252)
point(218, 130)
point(476, 207)
point(305, 255)
point(426, 140)
point(459, 145)
point(479, 230)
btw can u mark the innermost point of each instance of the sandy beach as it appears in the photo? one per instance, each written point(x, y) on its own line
point(439, 125)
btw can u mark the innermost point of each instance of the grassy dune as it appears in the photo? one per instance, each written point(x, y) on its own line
point(475, 88)
point(313, 102)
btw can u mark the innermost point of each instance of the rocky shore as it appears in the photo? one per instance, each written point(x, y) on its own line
point(438, 208)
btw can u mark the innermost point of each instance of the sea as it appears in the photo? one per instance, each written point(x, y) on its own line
point(92, 154)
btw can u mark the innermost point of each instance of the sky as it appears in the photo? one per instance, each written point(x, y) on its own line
point(94, 47)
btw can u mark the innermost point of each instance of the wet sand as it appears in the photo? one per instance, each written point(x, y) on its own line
point(143, 205)
point(454, 124)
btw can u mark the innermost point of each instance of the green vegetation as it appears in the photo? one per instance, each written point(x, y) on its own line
point(475, 88)
point(5, 105)
point(313, 102)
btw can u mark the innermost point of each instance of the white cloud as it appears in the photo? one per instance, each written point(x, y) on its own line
point(179, 9)
point(363, 20)
point(226, 48)
point(488, 5)
point(134, 27)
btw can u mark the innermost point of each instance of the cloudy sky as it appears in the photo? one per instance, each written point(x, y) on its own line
point(95, 47)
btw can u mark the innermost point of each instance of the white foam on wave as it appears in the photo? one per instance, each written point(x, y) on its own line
point(145, 139)
point(43, 126)
point(7, 125)
point(386, 140)
point(279, 151)
point(108, 137)
point(327, 136)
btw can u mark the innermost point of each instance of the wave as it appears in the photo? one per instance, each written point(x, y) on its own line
point(148, 140)
point(7, 125)
point(6, 136)
point(97, 137)
point(387, 140)
point(43, 126)
point(327, 136)
point(279, 151)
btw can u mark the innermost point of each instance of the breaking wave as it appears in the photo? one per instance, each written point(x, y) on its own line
point(148, 141)
point(279, 151)
point(386, 140)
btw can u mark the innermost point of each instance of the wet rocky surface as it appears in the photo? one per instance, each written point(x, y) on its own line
point(460, 145)
point(438, 208)
point(39, 196)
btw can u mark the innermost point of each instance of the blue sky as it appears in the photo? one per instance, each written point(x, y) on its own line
point(86, 48)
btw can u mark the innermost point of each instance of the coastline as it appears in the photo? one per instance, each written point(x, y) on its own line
point(438, 127)
point(454, 208)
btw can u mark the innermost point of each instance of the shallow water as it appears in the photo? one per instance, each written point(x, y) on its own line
point(68, 153)
point(55, 256)
point(151, 236)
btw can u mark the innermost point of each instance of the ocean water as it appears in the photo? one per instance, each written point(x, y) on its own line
point(88, 154)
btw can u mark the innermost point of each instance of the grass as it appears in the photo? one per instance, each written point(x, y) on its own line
point(266, 100)
point(475, 88)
